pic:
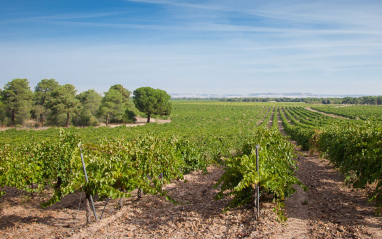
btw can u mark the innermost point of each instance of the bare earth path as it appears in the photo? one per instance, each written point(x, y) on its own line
point(139, 121)
point(331, 115)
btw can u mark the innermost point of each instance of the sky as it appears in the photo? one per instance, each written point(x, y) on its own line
point(196, 47)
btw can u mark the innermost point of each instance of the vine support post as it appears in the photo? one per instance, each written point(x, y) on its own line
point(257, 188)
point(87, 180)
point(104, 208)
point(161, 176)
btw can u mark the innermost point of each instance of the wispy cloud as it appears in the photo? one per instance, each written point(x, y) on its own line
point(354, 13)
point(206, 5)
point(62, 17)
point(201, 27)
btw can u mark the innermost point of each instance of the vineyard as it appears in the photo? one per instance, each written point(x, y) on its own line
point(126, 163)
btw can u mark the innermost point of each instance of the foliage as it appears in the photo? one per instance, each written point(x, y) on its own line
point(2, 113)
point(114, 104)
point(124, 92)
point(192, 154)
point(90, 102)
point(356, 150)
point(16, 97)
point(63, 102)
point(41, 98)
point(276, 168)
point(112, 166)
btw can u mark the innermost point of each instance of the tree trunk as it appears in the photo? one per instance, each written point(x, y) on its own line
point(13, 116)
point(59, 182)
point(107, 120)
point(148, 118)
point(32, 195)
point(120, 203)
point(88, 209)
point(67, 120)
point(41, 119)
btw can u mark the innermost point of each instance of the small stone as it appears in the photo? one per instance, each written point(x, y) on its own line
point(130, 234)
point(341, 228)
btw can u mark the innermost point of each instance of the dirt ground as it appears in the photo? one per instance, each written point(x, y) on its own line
point(140, 121)
point(329, 209)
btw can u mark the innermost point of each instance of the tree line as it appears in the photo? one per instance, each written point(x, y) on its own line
point(364, 100)
point(59, 105)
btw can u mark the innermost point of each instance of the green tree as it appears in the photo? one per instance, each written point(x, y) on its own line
point(42, 96)
point(63, 101)
point(124, 92)
point(356, 101)
point(90, 102)
point(372, 100)
point(114, 104)
point(111, 106)
point(326, 101)
point(128, 115)
point(379, 100)
point(152, 101)
point(2, 112)
point(17, 97)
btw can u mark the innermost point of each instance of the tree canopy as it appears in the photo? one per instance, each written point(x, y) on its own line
point(42, 96)
point(114, 104)
point(2, 113)
point(90, 102)
point(63, 101)
point(152, 101)
point(124, 92)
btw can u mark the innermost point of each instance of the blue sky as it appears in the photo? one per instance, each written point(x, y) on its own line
point(195, 47)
